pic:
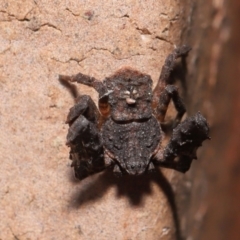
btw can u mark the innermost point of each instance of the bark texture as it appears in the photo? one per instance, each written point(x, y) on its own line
point(210, 208)
point(40, 39)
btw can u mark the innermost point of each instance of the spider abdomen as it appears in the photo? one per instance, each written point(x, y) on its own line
point(132, 144)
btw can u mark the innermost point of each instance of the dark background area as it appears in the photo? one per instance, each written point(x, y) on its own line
point(211, 209)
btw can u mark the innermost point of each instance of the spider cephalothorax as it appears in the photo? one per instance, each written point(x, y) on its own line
point(125, 133)
point(130, 95)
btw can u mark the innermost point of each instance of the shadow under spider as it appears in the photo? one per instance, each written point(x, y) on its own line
point(133, 187)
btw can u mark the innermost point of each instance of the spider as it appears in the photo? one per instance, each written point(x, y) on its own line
point(124, 133)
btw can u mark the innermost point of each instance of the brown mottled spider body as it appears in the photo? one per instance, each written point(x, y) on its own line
point(126, 134)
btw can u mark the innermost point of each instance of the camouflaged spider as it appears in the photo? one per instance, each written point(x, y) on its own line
point(126, 134)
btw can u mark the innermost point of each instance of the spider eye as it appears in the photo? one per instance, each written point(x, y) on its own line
point(130, 101)
point(134, 91)
point(126, 92)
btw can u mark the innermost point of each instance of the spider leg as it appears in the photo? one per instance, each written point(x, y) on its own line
point(94, 83)
point(84, 139)
point(170, 92)
point(163, 92)
point(84, 106)
point(86, 80)
point(168, 68)
point(187, 137)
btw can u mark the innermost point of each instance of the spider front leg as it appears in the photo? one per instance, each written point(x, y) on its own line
point(187, 137)
point(164, 92)
point(94, 83)
point(84, 139)
point(86, 80)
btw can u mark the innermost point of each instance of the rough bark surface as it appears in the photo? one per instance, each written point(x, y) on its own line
point(39, 40)
point(210, 208)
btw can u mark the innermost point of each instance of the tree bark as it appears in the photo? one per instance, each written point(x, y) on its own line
point(211, 208)
point(39, 40)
